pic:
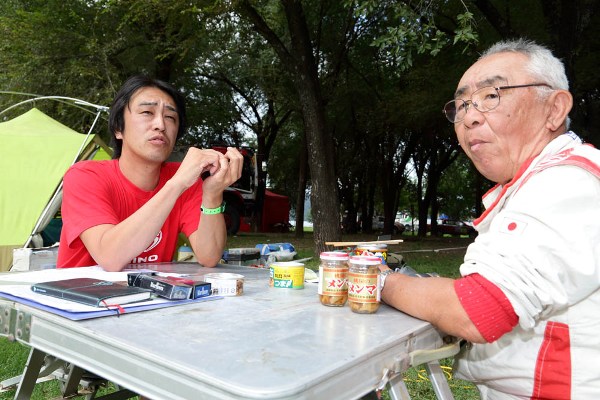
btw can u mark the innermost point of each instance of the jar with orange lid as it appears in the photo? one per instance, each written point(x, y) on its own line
point(363, 284)
point(372, 249)
point(333, 271)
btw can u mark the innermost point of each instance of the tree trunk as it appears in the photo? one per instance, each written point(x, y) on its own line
point(324, 197)
point(302, 179)
point(300, 63)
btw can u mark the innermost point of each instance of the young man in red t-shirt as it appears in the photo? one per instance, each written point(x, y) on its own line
point(132, 208)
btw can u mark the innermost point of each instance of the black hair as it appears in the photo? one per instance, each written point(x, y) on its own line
point(116, 119)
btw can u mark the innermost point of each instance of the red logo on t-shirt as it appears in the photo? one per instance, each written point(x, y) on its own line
point(155, 243)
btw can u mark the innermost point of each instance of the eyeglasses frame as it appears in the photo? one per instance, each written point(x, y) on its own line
point(469, 102)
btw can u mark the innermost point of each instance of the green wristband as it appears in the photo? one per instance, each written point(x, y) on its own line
point(212, 211)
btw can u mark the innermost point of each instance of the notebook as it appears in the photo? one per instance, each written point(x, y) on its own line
point(93, 292)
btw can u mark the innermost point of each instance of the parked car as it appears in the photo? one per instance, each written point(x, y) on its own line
point(378, 222)
point(407, 222)
point(399, 228)
point(454, 228)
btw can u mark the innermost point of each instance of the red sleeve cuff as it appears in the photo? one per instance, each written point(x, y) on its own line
point(486, 305)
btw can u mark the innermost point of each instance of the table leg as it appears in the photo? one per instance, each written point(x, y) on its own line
point(397, 388)
point(438, 381)
point(70, 387)
point(30, 374)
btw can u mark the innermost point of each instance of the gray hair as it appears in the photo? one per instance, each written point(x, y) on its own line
point(543, 65)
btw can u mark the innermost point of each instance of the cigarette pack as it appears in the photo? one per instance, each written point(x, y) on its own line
point(201, 289)
point(132, 277)
point(164, 286)
point(170, 287)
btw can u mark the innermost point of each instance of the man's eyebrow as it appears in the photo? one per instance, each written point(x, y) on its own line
point(154, 103)
point(492, 81)
point(460, 91)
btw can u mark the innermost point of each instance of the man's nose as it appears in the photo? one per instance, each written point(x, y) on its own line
point(159, 122)
point(473, 117)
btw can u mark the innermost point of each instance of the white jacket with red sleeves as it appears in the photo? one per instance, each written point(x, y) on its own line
point(539, 242)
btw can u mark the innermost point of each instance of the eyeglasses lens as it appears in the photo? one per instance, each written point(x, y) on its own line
point(484, 99)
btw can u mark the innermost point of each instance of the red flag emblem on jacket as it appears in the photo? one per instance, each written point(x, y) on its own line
point(513, 226)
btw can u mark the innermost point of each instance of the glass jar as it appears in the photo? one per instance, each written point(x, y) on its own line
point(333, 272)
point(373, 249)
point(363, 284)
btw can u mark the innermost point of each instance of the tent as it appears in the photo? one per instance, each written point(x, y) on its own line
point(35, 152)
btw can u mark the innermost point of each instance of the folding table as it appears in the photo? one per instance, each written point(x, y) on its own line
point(268, 343)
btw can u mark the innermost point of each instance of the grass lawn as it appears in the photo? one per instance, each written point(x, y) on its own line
point(441, 255)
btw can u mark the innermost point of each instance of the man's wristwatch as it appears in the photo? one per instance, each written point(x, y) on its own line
point(383, 276)
point(210, 211)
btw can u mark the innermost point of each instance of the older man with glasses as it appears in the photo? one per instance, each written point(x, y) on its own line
point(528, 302)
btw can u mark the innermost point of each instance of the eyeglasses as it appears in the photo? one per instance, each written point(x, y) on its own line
point(484, 100)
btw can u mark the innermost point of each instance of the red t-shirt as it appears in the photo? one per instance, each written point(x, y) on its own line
point(96, 192)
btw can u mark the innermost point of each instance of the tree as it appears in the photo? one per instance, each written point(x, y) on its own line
point(85, 49)
point(460, 189)
point(292, 42)
point(353, 88)
point(48, 48)
point(249, 89)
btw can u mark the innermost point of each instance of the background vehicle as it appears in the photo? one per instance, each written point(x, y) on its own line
point(454, 228)
point(378, 225)
point(245, 205)
point(407, 222)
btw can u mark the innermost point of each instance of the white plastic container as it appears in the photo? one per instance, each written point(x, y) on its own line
point(225, 283)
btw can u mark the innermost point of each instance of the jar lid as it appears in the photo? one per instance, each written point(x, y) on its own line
point(285, 264)
point(223, 276)
point(334, 256)
point(367, 260)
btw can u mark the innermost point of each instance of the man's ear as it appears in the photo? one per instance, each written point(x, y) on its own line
point(560, 102)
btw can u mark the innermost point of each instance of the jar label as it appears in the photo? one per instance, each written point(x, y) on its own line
point(332, 281)
point(363, 288)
